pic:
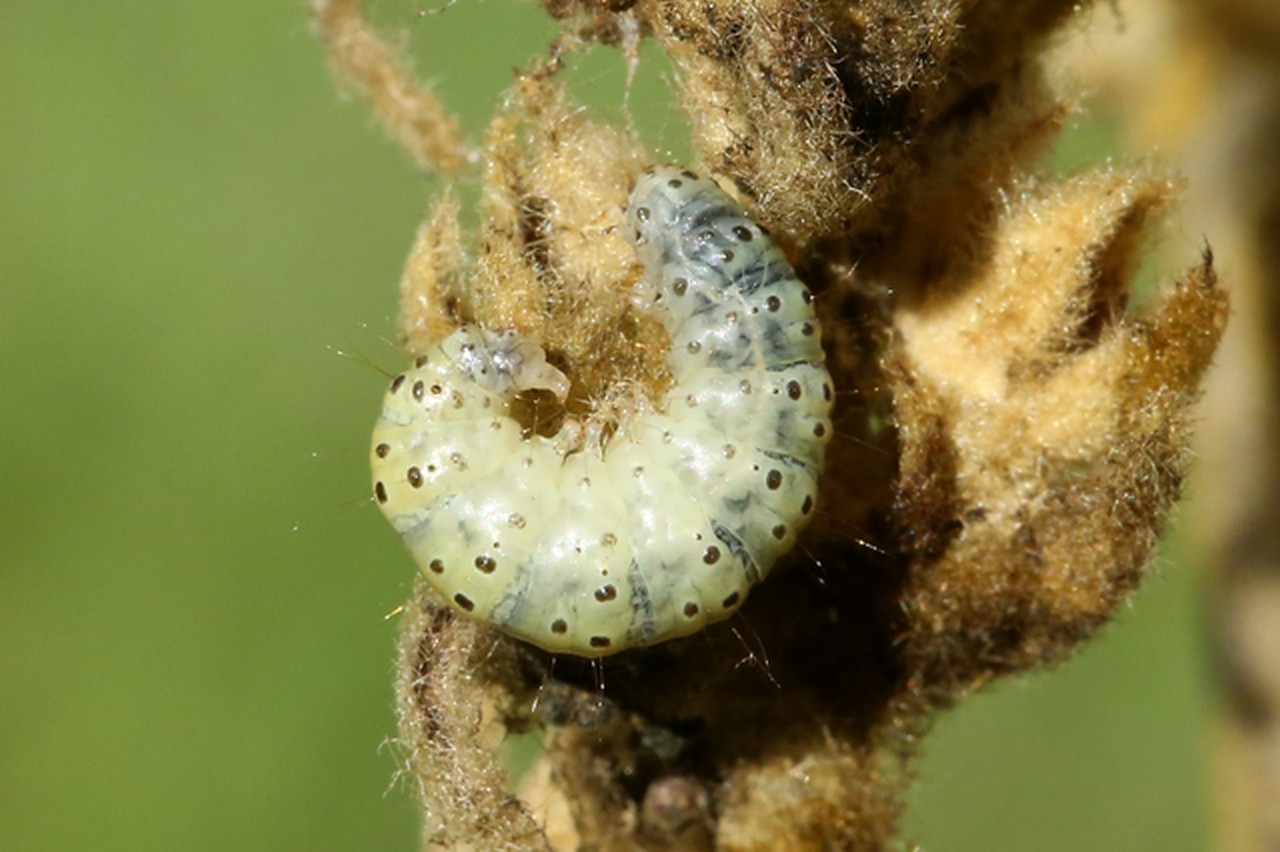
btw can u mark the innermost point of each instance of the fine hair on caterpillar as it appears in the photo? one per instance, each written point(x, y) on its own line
point(591, 535)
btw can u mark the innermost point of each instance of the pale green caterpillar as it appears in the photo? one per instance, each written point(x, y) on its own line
point(589, 546)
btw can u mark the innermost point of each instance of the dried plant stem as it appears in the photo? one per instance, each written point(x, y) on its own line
point(1009, 433)
point(1204, 83)
point(363, 60)
point(452, 757)
point(1238, 508)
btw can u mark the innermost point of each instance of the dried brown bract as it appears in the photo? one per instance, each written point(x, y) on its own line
point(1043, 433)
point(1011, 433)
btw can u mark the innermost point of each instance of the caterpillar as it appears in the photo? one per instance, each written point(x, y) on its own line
point(591, 542)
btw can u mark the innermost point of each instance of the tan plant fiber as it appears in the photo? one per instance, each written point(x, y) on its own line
point(414, 116)
point(1011, 433)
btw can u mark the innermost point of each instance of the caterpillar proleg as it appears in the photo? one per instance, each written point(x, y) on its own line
point(589, 545)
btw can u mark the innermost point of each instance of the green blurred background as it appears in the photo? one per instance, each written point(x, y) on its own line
point(199, 248)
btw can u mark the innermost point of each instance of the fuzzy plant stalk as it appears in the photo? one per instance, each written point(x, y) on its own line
point(1207, 87)
point(1202, 81)
point(1010, 435)
point(1237, 51)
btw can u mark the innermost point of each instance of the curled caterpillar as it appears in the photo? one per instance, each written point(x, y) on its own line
point(592, 542)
